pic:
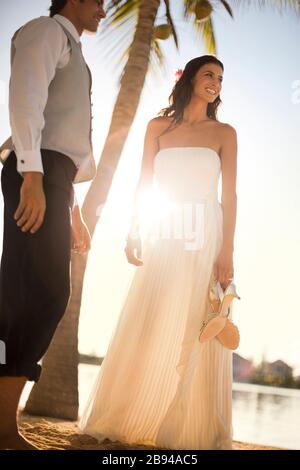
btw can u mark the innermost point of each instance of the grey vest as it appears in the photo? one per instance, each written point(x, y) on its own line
point(68, 112)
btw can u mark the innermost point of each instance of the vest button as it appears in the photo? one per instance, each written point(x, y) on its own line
point(22, 161)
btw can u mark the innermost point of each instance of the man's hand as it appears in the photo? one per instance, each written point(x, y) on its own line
point(32, 206)
point(81, 239)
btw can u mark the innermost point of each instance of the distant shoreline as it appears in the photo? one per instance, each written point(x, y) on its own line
point(97, 361)
point(92, 360)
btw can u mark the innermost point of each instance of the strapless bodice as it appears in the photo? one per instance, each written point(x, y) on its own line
point(188, 173)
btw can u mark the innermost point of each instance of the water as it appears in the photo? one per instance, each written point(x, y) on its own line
point(261, 415)
point(266, 415)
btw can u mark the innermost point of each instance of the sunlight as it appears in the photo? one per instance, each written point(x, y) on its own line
point(154, 205)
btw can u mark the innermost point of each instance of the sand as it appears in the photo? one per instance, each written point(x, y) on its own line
point(53, 434)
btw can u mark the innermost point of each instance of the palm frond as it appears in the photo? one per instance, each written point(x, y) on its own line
point(121, 21)
point(280, 5)
point(156, 49)
point(189, 6)
point(204, 28)
point(119, 12)
point(110, 49)
point(227, 7)
point(171, 23)
point(208, 35)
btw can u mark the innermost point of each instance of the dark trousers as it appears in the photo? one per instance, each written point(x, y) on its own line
point(35, 268)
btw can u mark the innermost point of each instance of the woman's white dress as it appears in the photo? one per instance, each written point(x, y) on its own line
point(157, 384)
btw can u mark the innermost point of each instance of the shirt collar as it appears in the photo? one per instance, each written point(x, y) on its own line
point(68, 25)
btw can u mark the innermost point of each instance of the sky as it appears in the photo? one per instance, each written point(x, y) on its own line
point(261, 99)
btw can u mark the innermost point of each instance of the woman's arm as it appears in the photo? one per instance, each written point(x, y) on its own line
point(229, 197)
point(151, 147)
point(81, 239)
point(223, 269)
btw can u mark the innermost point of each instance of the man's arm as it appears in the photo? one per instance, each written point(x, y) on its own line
point(38, 48)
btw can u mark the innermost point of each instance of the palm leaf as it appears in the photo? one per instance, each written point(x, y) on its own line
point(208, 35)
point(280, 5)
point(119, 12)
point(171, 23)
point(227, 7)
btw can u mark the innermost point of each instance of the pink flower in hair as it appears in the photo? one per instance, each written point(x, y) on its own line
point(178, 74)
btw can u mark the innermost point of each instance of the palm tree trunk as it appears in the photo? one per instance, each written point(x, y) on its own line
point(125, 109)
point(56, 394)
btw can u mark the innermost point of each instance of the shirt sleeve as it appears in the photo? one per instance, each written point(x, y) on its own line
point(39, 46)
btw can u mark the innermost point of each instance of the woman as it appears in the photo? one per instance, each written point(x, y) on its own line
point(159, 385)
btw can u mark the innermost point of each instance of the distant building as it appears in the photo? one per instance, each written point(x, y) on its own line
point(278, 368)
point(242, 368)
point(277, 374)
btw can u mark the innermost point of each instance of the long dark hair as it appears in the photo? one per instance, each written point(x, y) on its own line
point(57, 6)
point(182, 91)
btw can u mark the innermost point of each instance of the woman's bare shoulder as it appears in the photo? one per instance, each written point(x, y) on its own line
point(226, 129)
point(159, 124)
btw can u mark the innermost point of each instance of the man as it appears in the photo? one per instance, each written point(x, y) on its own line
point(50, 148)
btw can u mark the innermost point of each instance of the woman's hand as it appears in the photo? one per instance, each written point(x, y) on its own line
point(133, 251)
point(223, 268)
point(81, 239)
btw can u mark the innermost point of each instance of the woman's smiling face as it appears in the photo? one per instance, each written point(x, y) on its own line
point(207, 83)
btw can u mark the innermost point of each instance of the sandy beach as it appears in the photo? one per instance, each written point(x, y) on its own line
point(53, 434)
